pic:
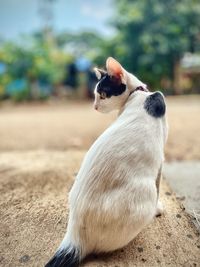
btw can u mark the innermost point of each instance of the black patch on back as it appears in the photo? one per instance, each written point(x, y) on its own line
point(110, 85)
point(155, 105)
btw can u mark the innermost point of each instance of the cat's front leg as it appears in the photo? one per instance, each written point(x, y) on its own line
point(159, 208)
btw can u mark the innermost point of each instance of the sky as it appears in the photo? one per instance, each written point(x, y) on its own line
point(22, 16)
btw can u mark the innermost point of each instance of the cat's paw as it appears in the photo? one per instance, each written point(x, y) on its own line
point(159, 209)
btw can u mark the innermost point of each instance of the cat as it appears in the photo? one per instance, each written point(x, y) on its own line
point(115, 194)
point(112, 91)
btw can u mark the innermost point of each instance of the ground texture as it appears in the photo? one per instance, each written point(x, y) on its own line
point(41, 151)
point(60, 126)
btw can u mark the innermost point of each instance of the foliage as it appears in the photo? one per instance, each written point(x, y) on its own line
point(154, 34)
point(151, 38)
point(35, 60)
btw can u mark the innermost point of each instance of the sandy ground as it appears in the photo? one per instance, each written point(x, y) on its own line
point(60, 126)
point(33, 214)
point(42, 147)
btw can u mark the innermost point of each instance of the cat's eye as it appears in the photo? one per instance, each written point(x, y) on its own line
point(103, 95)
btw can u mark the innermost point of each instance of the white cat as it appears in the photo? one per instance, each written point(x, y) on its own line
point(115, 194)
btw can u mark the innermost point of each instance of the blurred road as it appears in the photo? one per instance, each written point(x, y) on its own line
point(64, 125)
point(184, 179)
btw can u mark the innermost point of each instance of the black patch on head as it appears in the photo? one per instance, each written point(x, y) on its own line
point(155, 105)
point(111, 86)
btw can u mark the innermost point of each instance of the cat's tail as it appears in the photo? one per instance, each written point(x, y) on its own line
point(65, 257)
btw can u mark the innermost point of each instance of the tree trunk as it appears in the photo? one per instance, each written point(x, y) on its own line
point(177, 77)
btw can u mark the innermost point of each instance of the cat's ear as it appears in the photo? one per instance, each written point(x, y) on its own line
point(114, 68)
point(99, 73)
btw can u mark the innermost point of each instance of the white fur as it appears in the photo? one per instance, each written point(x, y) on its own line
point(114, 195)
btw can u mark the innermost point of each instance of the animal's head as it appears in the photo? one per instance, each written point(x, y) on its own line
point(111, 91)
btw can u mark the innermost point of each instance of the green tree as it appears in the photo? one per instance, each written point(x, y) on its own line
point(36, 60)
point(154, 34)
point(83, 43)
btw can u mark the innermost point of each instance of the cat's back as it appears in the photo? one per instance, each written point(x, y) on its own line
point(137, 135)
point(132, 147)
point(144, 113)
point(141, 122)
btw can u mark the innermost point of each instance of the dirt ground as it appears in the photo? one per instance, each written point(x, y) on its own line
point(42, 147)
point(33, 214)
point(60, 126)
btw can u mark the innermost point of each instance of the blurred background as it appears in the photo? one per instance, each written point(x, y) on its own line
point(47, 51)
point(47, 47)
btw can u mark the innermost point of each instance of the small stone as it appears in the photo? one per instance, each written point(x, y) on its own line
point(190, 236)
point(140, 249)
point(157, 247)
point(198, 246)
point(168, 193)
point(144, 260)
point(25, 258)
point(178, 216)
point(181, 198)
